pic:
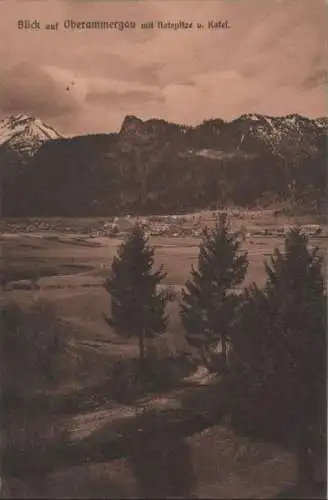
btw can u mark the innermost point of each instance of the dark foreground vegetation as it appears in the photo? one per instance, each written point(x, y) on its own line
point(268, 347)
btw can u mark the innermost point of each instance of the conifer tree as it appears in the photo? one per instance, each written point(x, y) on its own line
point(295, 290)
point(209, 299)
point(251, 362)
point(280, 353)
point(137, 307)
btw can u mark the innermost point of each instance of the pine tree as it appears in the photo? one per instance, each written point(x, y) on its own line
point(295, 290)
point(209, 300)
point(138, 309)
point(280, 353)
point(251, 364)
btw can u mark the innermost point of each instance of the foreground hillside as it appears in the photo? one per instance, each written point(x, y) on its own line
point(156, 166)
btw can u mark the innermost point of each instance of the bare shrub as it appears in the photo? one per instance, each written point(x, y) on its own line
point(34, 349)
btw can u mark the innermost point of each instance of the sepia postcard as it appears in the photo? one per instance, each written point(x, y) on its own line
point(163, 237)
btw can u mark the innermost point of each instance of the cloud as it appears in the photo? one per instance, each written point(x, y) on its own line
point(26, 87)
point(112, 97)
point(320, 77)
point(100, 90)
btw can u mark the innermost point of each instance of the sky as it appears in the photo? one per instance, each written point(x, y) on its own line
point(272, 60)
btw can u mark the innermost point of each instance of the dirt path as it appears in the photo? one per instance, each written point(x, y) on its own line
point(181, 399)
point(106, 433)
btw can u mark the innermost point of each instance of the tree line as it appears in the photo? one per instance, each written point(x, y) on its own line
point(268, 344)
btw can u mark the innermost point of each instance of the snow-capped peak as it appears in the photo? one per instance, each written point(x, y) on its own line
point(24, 133)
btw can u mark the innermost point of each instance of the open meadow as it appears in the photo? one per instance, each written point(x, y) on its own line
point(70, 266)
point(68, 269)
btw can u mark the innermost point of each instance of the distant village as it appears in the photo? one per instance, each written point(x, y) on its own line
point(190, 225)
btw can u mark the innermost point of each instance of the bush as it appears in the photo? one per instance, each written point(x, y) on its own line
point(161, 374)
point(33, 347)
point(27, 284)
point(166, 369)
point(29, 430)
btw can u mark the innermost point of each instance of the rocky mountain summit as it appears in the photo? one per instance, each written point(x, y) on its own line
point(279, 135)
point(25, 134)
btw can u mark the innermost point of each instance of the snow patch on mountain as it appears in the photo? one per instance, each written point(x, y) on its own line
point(322, 122)
point(279, 132)
point(25, 134)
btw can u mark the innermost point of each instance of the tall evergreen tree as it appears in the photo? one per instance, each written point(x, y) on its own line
point(209, 299)
point(295, 290)
point(251, 364)
point(280, 353)
point(138, 308)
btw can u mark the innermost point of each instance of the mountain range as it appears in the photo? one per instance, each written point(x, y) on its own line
point(154, 166)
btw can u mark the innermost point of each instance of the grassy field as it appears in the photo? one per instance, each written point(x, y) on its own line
point(70, 268)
